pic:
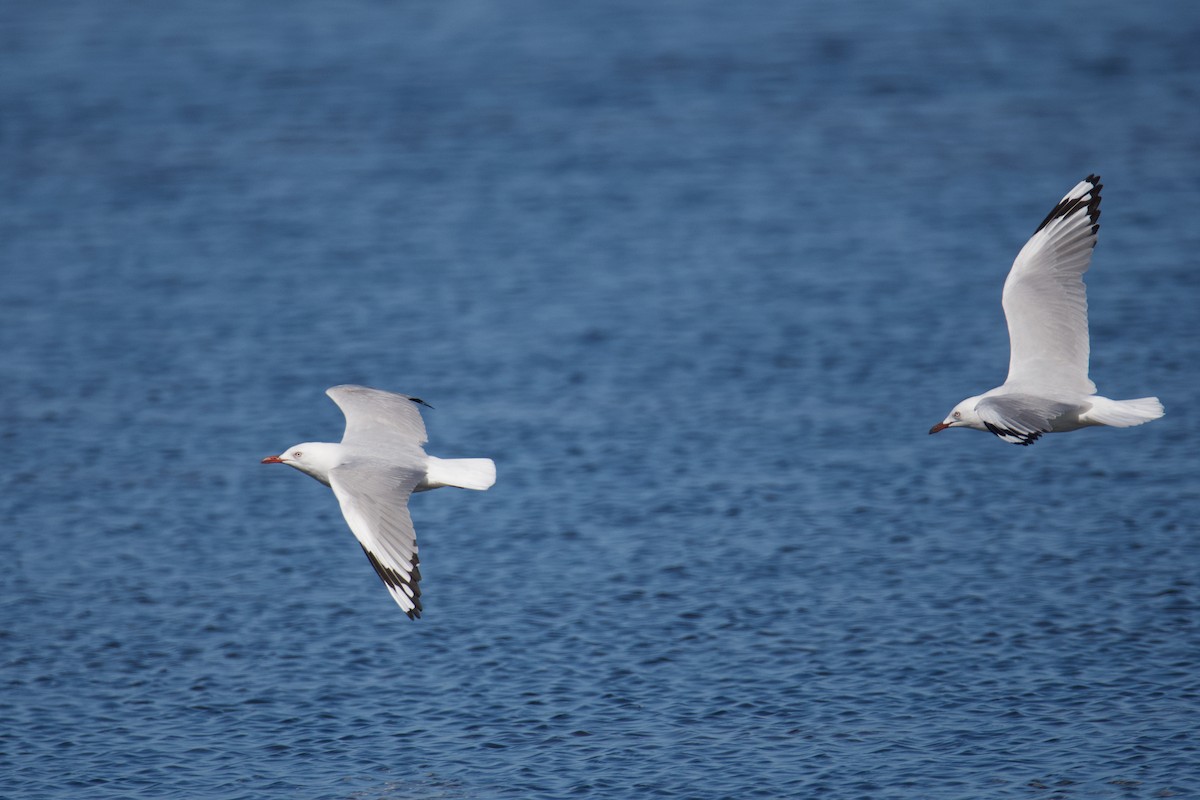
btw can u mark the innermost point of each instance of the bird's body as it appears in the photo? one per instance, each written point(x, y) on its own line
point(1045, 302)
point(377, 466)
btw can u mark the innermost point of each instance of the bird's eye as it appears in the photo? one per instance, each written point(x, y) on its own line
point(297, 454)
point(957, 415)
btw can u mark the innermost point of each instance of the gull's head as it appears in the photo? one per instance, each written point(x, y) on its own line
point(962, 416)
point(312, 458)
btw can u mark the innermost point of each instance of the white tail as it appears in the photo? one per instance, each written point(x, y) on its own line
point(465, 473)
point(1123, 413)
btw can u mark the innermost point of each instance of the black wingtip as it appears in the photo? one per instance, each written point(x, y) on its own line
point(1071, 203)
point(420, 402)
point(394, 580)
point(1006, 435)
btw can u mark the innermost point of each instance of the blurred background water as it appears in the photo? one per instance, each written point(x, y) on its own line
point(699, 276)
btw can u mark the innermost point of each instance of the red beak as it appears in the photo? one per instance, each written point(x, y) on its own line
point(941, 426)
point(272, 460)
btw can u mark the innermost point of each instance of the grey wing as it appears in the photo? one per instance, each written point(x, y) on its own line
point(1045, 301)
point(374, 501)
point(1019, 418)
point(374, 416)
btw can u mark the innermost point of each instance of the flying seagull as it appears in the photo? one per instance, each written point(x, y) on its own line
point(377, 466)
point(1045, 301)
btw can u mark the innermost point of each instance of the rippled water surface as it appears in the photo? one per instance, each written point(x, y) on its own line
point(699, 276)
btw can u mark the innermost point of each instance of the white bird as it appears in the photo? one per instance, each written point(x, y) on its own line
point(1045, 301)
point(374, 470)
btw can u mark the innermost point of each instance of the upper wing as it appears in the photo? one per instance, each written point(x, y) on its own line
point(1019, 418)
point(373, 416)
point(1045, 300)
point(374, 500)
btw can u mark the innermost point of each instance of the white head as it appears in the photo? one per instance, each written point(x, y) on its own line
point(312, 458)
point(963, 416)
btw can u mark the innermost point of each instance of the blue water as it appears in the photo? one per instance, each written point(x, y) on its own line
point(699, 276)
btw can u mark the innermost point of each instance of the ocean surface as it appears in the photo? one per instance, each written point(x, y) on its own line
point(699, 276)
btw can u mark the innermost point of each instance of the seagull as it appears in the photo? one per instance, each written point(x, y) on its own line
point(374, 470)
point(1045, 301)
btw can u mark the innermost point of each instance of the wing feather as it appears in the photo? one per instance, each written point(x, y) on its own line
point(374, 416)
point(1045, 300)
point(374, 501)
point(1019, 418)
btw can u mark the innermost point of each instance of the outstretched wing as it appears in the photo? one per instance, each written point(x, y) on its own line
point(374, 500)
point(374, 416)
point(1045, 300)
point(1019, 418)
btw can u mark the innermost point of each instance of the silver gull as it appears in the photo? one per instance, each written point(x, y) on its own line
point(373, 472)
point(1045, 302)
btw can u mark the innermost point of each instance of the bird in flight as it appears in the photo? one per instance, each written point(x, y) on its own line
point(373, 472)
point(1045, 302)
